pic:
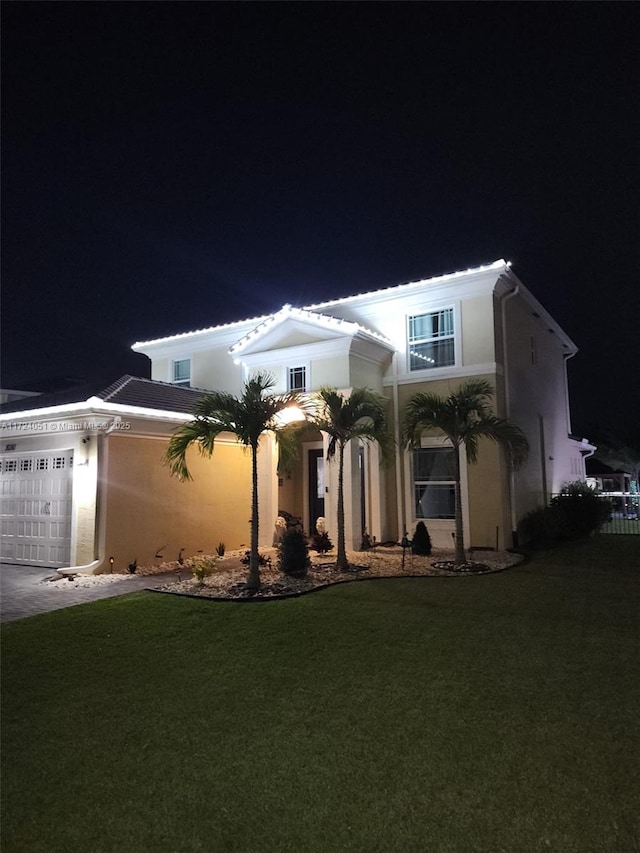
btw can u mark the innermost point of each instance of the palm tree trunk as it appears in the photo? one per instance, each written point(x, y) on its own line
point(460, 558)
point(341, 562)
point(253, 577)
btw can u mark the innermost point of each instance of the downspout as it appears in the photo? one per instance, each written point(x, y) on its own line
point(567, 356)
point(507, 400)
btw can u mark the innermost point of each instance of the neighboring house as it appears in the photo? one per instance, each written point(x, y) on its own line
point(617, 485)
point(607, 479)
point(424, 336)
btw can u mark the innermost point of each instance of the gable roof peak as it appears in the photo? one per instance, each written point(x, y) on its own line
point(309, 318)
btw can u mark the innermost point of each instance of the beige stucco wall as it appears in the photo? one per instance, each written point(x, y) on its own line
point(333, 372)
point(160, 369)
point(214, 370)
point(147, 509)
point(364, 374)
point(477, 330)
point(538, 403)
point(489, 515)
point(486, 493)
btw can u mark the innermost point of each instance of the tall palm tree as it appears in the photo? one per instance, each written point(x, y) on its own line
point(361, 416)
point(247, 417)
point(463, 417)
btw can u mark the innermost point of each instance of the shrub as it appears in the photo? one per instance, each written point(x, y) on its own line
point(576, 512)
point(321, 543)
point(583, 509)
point(201, 568)
point(262, 560)
point(293, 554)
point(421, 542)
point(543, 527)
point(220, 549)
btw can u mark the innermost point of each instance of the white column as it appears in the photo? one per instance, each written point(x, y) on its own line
point(352, 497)
point(375, 496)
point(267, 489)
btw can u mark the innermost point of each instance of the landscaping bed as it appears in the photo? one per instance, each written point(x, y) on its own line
point(227, 577)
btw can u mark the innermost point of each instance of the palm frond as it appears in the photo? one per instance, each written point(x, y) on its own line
point(199, 432)
point(463, 417)
point(362, 415)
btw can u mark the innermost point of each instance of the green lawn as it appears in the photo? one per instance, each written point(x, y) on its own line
point(494, 713)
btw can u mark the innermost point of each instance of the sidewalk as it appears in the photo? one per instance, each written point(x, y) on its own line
point(24, 590)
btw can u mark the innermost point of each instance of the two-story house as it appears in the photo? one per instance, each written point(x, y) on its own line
point(427, 335)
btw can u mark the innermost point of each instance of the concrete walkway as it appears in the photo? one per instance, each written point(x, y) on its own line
point(24, 590)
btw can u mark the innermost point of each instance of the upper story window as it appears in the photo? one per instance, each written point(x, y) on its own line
point(182, 372)
point(431, 340)
point(297, 379)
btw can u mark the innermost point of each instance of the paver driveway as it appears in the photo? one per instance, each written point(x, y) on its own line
point(24, 590)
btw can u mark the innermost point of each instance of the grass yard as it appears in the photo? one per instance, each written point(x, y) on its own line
point(496, 713)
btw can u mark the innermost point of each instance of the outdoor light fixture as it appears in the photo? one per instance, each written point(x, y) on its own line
point(289, 415)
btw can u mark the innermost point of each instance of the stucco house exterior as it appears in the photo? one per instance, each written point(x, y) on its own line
point(427, 335)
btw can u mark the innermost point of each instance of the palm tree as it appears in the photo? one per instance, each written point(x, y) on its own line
point(361, 416)
point(247, 417)
point(463, 417)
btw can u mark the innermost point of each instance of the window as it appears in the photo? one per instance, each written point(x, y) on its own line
point(297, 379)
point(431, 340)
point(434, 482)
point(182, 372)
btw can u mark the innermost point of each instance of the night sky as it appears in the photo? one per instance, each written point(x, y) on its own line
point(170, 166)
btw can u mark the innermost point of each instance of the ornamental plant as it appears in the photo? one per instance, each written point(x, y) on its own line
point(421, 542)
point(293, 554)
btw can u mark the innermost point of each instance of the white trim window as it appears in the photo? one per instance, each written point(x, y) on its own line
point(431, 340)
point(181, 372)
point(297, 379)
point(434, 485)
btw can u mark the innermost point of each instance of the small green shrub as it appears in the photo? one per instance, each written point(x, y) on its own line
point(293, 554)
point(421, 542)
point(201, 568)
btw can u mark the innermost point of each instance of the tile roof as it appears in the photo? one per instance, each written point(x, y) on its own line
point(151, 394)
point(126, 391)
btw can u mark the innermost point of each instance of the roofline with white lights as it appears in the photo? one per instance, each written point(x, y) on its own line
point(492, 267)
point(139, 345)
point(496, 266)
point(306, 316)
point(94, 405)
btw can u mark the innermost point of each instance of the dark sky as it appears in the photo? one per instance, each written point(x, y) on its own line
point(169, 166)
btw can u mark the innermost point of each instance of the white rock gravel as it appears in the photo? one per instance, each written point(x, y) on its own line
point(228, 578)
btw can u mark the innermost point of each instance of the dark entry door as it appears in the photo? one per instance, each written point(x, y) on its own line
point(316, 487)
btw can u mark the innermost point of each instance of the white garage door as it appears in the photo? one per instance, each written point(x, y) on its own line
point(35, 508)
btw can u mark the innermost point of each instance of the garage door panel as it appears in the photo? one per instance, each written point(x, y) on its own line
point(36, 527)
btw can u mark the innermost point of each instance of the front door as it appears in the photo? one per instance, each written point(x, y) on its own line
point(316, 487)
